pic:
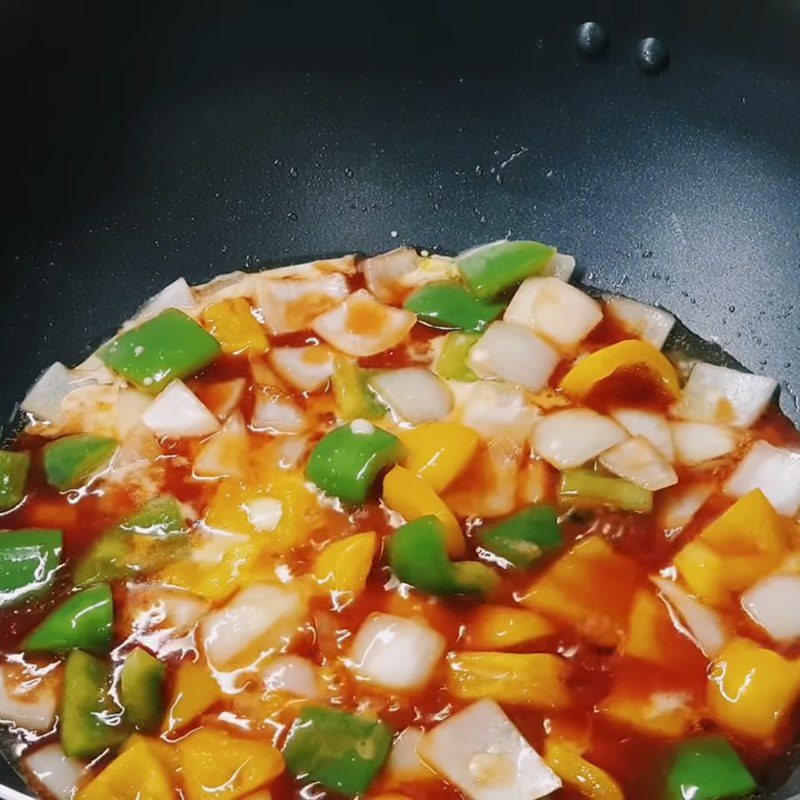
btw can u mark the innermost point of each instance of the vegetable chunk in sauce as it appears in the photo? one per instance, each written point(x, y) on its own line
point(409, 528)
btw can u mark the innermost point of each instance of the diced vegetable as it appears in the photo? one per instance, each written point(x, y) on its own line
point(723, 395)
point(384, 273)
point(13, 477)
point(142, 543)
point(404, 765)
point(167, 347)
point(53, 770)
point(525, 536)
point(140, 685)
point(131, 404)
point(569, 438)
point(25, 703)
point(702, 623)
point(418, 555)
point(773, 470)
point(291, 303)
point(395, 653)
point(530, 679)
point(493, 268)
point(276, 412)
point(70, 460)
point(347, 461)
point(354, 398)
point(177, 413)
point(680, 504)
point(637, 461)
point(46, 396)
point(451, 362)
point(481, 751)
point(225, 454)
point(137, 773)
point(567, 592)
point(28, 563)
point(649, 323)
point(513, 353)
point(412, 498)
point(696, 442)
point(752, 690)
point(340, 751)
point(90, 720)
point(774, 604)
point(216, 764)
point(498, 627)
point(448, 305)
point(583, 487)
point(601, 364)
point(414, 394)
point(495, 410)
point(306, 368)
point(588, 779)
point(150, 607)
point(293, 675)
point(707, 768)
point(554, 310)
point(233, 325)
point(258, 619)
point(743, 544)
point(361, 326)
point(194, 691)
point(438, 452)
point(85, 621)
point(653, 427)
point(653, 637)
point(343, 566)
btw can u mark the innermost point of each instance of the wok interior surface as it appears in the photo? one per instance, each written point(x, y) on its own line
point(157, 140)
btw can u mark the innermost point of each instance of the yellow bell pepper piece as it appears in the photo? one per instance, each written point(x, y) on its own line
point(411, 497)
point(589, 780)
point(751, 689)
point(652, 635)
point(595, 367)
point(531, 679)
point(343, 566)
point(218, 766)
point(590, 587)
point(136, 773)
point(194, 692)
point(664, 714)
point(498, 627)
point(439, 451)
point(742, 545)
point(232, 324)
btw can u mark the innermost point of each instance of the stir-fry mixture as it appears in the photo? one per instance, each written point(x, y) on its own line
point(403, 527)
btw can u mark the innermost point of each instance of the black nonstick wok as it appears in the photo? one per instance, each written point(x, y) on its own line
point(147, 141)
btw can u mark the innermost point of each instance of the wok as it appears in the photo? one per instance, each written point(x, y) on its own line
point(152, 140)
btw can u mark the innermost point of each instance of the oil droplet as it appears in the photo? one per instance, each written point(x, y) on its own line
point(652, 55)
point(293, 173)
point(592, 39)
point(292, 216)
point(348, 172)
point(393, 234)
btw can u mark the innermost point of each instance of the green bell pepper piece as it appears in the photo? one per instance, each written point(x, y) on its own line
point(147, 541)
point(28, 563)
point(451, 364)
point(341, 751)
point(84, 621)
point(161, 349)
point(90, 721)
point(68, 461)
point(346, 464)
point(448, 305)
point(140, 683)
point(354, 398)
point(708, 769)
point(586, 488)
point(13, 476)
point(493, 268)
point(524, 537)
point(418, 555)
